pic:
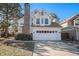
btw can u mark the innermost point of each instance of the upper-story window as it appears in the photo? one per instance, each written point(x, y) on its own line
point(37, 21)
point(32, 21)
point(46, 21)
point(42, 20)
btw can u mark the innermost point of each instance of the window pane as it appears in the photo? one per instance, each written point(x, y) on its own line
point(46, 21)
point(32, 21)
point(37, 21)
point(42, 20)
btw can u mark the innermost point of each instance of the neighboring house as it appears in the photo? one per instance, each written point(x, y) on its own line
point(10, 29)
point(71, 21)
point(16, 26)
point(20, 25)
point(70, 27)
point(42, 27)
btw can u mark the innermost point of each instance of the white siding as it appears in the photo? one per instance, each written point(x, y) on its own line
point(38, 15)
point(20, 24)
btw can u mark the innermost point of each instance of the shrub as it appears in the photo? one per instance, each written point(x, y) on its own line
point(24, 37)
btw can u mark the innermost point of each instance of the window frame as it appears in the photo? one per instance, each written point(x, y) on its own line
point(37, 21)
point(46, 21)
point(42, 21)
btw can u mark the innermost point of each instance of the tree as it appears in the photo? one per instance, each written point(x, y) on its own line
point(54, 17)
point(10, 11)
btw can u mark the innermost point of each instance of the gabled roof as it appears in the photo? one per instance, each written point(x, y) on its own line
point(71, 18)
point(54, 24)
point(39, 12)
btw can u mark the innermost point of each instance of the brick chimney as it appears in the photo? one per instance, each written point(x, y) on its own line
point(26, 27)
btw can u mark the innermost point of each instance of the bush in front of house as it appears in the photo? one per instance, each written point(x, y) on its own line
point(24, 37)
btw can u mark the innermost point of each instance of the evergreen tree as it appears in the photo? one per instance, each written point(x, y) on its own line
point(54, 17)
point(10, 12)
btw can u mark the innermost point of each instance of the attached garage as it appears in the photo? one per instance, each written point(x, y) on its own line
point(46, 34)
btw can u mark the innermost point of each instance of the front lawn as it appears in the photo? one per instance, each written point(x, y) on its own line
point(14, 51)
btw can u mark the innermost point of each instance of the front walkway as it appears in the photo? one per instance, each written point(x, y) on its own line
point(54, 48)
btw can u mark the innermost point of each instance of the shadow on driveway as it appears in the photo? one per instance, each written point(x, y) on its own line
point(50, 48)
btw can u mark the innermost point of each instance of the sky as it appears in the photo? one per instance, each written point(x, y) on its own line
point(62, 10)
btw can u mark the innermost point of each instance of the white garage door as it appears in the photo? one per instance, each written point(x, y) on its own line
point(46, 35)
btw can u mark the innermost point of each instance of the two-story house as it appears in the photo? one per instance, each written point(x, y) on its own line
point(42, 27)
point(70, 27)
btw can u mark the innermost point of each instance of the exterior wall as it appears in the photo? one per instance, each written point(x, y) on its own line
point(20, 29)
point(46, 28)
point(76, 21)
point(51, 36)
point(45, 16)
point(68, 24)
point(20, 25)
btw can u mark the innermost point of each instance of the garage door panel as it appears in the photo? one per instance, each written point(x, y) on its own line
point(45, 36)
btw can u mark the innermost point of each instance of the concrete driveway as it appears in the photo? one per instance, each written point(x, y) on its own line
point(54, 48)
